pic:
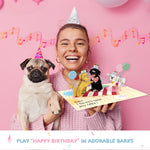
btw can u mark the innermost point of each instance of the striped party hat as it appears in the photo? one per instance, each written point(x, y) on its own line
point(39, 54)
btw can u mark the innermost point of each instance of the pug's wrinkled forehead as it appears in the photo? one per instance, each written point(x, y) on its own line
point(37, 63)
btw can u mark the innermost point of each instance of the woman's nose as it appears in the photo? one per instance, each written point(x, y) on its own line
point(72, 47)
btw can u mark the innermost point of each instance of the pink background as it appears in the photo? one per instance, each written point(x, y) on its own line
point(47, 17)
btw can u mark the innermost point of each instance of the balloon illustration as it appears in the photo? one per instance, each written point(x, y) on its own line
point(119, 68)
point(112, 3)
point(72, 75)
point(125, 66)
point(147, 1)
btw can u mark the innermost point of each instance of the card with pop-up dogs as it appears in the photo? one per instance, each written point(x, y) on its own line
point(84, 96)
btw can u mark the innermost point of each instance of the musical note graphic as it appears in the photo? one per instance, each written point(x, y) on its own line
point(92, 133)
point(95, 39)
point(141, 40)
point(9, 138)
point(106, 33)
point(131, 33)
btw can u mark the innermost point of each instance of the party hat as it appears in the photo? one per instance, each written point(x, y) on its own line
point(73, 17)
point(39, 54)
point(114, 73)
point(95, 66)
point(83, 71)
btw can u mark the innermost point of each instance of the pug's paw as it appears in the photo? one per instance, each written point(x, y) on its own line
point(54, 104)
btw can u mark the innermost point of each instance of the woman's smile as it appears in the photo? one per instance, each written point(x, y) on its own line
point(72, 58)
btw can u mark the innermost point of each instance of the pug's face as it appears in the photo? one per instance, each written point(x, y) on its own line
point(37, 70)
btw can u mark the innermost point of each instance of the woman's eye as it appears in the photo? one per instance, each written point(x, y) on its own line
point(80, 43)
point(30, 68)
point(44, 69)
point(64, 43)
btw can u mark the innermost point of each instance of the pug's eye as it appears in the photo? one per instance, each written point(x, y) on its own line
point(44, 69)
point(30, 68)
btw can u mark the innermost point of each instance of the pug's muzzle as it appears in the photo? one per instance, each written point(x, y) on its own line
point(36, 76)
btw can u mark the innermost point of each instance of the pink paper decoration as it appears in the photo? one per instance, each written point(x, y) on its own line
point(37, 1)
point(1, 3)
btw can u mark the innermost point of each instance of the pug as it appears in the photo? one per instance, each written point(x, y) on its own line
point(35, 92)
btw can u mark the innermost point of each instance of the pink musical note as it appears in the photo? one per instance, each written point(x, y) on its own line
point(4, 35)
point(30, 37)
point(43, 44)
point(9, 139)
point(141, 40)
point(95, 39)
point(51, 42)
point(20, 41)
point(116, 43)
point(104, 32)
point(12, 31)
point(37, 36)
point(133, 34)
point(125, 35)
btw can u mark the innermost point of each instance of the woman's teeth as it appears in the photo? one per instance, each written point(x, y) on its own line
point(72, 58)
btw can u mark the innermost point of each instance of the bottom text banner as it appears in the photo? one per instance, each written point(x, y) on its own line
point(75, 140)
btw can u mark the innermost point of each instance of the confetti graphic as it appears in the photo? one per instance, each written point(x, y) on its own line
point(48, 134)
point(92, 133)
point(69, 146)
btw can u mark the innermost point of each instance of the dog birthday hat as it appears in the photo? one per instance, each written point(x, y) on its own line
point(83, 71)
point(39, 54)
point(73, 17)
point(95, 66)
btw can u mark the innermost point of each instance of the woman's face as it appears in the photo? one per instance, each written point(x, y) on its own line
point(72, 48)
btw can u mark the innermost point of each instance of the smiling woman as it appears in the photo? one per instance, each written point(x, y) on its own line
point(72, 47)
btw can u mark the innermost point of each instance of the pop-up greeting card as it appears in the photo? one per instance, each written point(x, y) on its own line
point(87, 94)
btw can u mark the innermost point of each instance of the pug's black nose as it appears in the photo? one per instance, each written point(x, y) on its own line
point(36, 73)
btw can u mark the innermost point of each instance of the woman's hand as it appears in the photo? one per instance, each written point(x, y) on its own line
point(102, 108)
point(49, 116)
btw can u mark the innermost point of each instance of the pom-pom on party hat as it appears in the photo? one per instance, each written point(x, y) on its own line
point(39, 54)
point(95, 66)
point(83, 71)
point(73, 17)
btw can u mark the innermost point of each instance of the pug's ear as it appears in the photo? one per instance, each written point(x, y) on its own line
point(24, 63)
point(50, 64)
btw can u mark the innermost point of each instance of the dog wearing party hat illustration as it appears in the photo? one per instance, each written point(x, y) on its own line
point(36, 90)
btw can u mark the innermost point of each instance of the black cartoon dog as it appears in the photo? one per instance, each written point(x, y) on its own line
point(96, 85)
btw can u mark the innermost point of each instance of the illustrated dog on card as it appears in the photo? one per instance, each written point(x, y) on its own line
point(35, 92)
point(114, 78)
